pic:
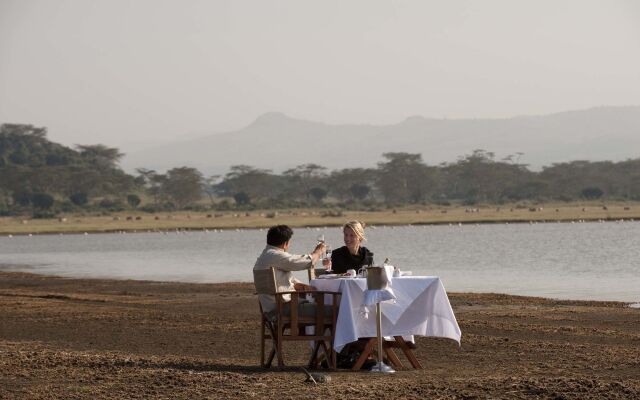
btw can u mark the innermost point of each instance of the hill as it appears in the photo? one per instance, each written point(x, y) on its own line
point(276, 141)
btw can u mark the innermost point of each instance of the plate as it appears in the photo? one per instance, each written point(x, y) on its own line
point(328, 276)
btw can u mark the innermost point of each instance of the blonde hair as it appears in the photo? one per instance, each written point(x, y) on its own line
point(357, 227)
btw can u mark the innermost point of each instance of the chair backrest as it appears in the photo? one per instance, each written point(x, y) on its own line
point(265, 280)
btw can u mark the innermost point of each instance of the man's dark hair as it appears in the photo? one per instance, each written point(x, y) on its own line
point(278, 235)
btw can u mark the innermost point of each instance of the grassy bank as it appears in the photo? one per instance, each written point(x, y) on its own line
point(132, 221)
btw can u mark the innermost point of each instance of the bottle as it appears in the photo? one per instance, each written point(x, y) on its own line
point(396, 270)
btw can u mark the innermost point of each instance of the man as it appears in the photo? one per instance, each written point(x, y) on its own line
point(276, 255)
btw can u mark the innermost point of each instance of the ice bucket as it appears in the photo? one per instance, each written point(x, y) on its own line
point(377, 278)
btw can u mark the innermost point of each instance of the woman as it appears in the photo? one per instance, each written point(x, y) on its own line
point(352, 255)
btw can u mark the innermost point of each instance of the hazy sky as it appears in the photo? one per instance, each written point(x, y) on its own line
point(119, 72)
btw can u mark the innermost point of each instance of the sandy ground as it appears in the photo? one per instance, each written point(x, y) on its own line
point(88, 339)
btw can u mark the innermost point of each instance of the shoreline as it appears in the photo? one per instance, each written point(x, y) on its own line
point(327, 225)
point(108, 339)
point(260, 219)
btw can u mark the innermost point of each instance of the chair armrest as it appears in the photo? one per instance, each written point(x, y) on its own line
point(310, 292)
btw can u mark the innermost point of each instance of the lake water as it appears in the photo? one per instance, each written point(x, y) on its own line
point(559, 260)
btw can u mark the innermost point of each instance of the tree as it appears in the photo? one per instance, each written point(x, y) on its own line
point(210, 187)
point(79, 198)
point(152, 181)
point(257, 184)
point(99, 155)
point(477, 177)
point(133, 200)
point(242, 198)
point(359, 191)
point(22, 198)
point(318, 193)
point(351, 183)
point(303, 178)
point(592, 193)
point(403, 178)
point(183, 186)
point(42, 201)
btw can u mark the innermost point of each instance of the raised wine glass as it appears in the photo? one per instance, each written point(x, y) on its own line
point(328, 257)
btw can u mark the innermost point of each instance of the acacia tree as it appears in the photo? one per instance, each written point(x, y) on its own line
point(209, 187)
point(352, 184)
point(403, 178)
point(183, 186)
point(304, 178)
point(247, 184)
point(152, 182)
point(100, 156)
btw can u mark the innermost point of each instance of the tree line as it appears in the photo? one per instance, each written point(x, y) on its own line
point(44, 178)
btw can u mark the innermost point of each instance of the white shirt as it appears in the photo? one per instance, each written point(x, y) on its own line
point(284, 263)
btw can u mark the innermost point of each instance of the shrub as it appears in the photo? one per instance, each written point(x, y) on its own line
point(79, 199)
point(111, 204)
point(133, 200)
point(43, 201)
point(592, 193)
point(43, 215)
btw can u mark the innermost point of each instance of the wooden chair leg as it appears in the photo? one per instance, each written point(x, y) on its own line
point(272, 335)
point(332, 359)
point(270, 359)
point(408, 353)
point(329, 354)
point(262, 340)
point(279, 348)
point(313, 361)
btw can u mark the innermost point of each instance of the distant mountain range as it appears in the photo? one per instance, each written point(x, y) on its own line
point(277, 142)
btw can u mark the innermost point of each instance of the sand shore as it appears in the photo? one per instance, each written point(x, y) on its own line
point(423, 215)
point(88, 339)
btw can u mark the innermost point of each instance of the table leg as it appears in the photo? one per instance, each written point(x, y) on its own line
point(368, 350)
point(392, 357)
point(407, 352)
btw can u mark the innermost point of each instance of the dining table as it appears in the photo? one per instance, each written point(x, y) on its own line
point(421, 308)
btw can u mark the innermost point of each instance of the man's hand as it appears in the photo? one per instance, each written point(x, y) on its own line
point(320, 248)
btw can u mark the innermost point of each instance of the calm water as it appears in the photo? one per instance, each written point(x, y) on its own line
point(569, 261)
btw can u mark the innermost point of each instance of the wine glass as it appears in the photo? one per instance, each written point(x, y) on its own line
point(320, 238)
point(328, 256)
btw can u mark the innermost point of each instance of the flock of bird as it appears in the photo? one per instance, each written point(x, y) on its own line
point(184, 231)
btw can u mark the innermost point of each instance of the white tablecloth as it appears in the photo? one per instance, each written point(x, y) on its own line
point(422, 308)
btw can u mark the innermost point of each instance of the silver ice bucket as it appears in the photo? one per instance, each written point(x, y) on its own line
point(377, 278)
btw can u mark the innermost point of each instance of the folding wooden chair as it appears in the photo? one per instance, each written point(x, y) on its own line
point(290, 319)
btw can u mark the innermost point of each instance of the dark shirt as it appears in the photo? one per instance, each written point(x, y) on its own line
point(342, 259)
